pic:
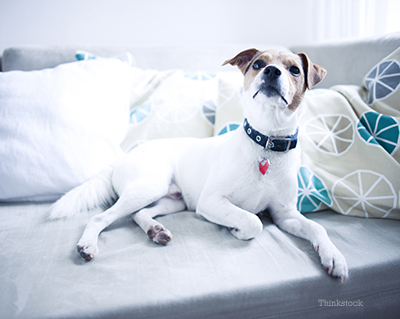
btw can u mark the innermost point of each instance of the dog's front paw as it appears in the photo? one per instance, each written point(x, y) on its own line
point(247, 231)
point(159, 235)
point(87, 252)
point(334, 262)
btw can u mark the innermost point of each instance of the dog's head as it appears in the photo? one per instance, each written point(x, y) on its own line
point(277, 78)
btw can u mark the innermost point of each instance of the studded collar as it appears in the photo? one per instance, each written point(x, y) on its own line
point(273, 143)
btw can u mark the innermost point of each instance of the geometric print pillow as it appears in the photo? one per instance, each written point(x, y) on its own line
point(348, 155)
point(383, 82)
point(172, 103)
point(354, 164)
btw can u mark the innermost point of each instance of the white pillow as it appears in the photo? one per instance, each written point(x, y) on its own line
point(60, 126)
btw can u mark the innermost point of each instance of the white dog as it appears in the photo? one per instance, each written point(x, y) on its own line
point(227, 179)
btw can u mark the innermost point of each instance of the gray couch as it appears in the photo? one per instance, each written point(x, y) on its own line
point(205, 272)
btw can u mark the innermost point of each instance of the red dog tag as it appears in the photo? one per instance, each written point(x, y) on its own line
point(264, 164)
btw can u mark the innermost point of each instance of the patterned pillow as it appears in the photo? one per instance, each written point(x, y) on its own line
point(229, 114)
point(383, 82)
point(383, 86)
point(171, 103)
point(84, 55)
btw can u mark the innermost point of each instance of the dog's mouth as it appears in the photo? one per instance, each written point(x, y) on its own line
point(270, 91)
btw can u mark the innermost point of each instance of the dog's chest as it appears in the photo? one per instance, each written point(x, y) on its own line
point(255, 191)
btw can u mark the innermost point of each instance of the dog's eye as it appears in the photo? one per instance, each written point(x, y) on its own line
point(259, 64)
point(294, 70)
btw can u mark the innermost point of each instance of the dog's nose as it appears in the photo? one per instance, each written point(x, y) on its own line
point(272, 72)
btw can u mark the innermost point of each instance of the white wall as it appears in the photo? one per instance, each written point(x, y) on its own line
point(129, 22)
point(121, 22)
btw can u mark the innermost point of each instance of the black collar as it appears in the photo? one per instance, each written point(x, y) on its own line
point(273, 143)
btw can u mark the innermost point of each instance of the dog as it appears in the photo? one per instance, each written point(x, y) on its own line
point(227, 179)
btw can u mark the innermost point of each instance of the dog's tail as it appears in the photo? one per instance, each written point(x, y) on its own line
point(97, 191)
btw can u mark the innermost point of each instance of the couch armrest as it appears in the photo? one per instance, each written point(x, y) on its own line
point(347, 62)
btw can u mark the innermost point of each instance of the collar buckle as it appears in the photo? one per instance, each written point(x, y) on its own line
point(272, 143)
point(281, 141)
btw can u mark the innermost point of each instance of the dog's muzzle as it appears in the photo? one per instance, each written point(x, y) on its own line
point(270, 86)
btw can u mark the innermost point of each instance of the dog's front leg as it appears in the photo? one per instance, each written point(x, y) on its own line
point(295, 223)
point(219, 210)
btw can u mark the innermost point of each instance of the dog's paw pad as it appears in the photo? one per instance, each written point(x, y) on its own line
point(159, 235)
point(86, 252)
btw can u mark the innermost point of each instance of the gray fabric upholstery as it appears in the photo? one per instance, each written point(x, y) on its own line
point(188, 57)
point(205, 272)
point(347, 62)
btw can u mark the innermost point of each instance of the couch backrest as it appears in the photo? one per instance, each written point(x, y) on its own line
point(347, 62)
point(187, 57)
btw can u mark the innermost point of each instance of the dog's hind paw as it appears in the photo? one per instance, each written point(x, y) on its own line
point(159, 235)
point(87, 252)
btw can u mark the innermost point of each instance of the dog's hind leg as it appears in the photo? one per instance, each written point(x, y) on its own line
point(134, 198)
point(155, 230)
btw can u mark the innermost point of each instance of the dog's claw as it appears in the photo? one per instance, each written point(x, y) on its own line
point(329, 270)
point(335, 265)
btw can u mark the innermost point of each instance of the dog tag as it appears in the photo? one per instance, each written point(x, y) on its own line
point(264, 164)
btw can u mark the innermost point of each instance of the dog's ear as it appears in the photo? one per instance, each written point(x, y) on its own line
point(242, 59)
point(314, 73)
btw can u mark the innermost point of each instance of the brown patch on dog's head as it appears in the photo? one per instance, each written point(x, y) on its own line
point(314, 72)
point(242, 59)
point(300, 72)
